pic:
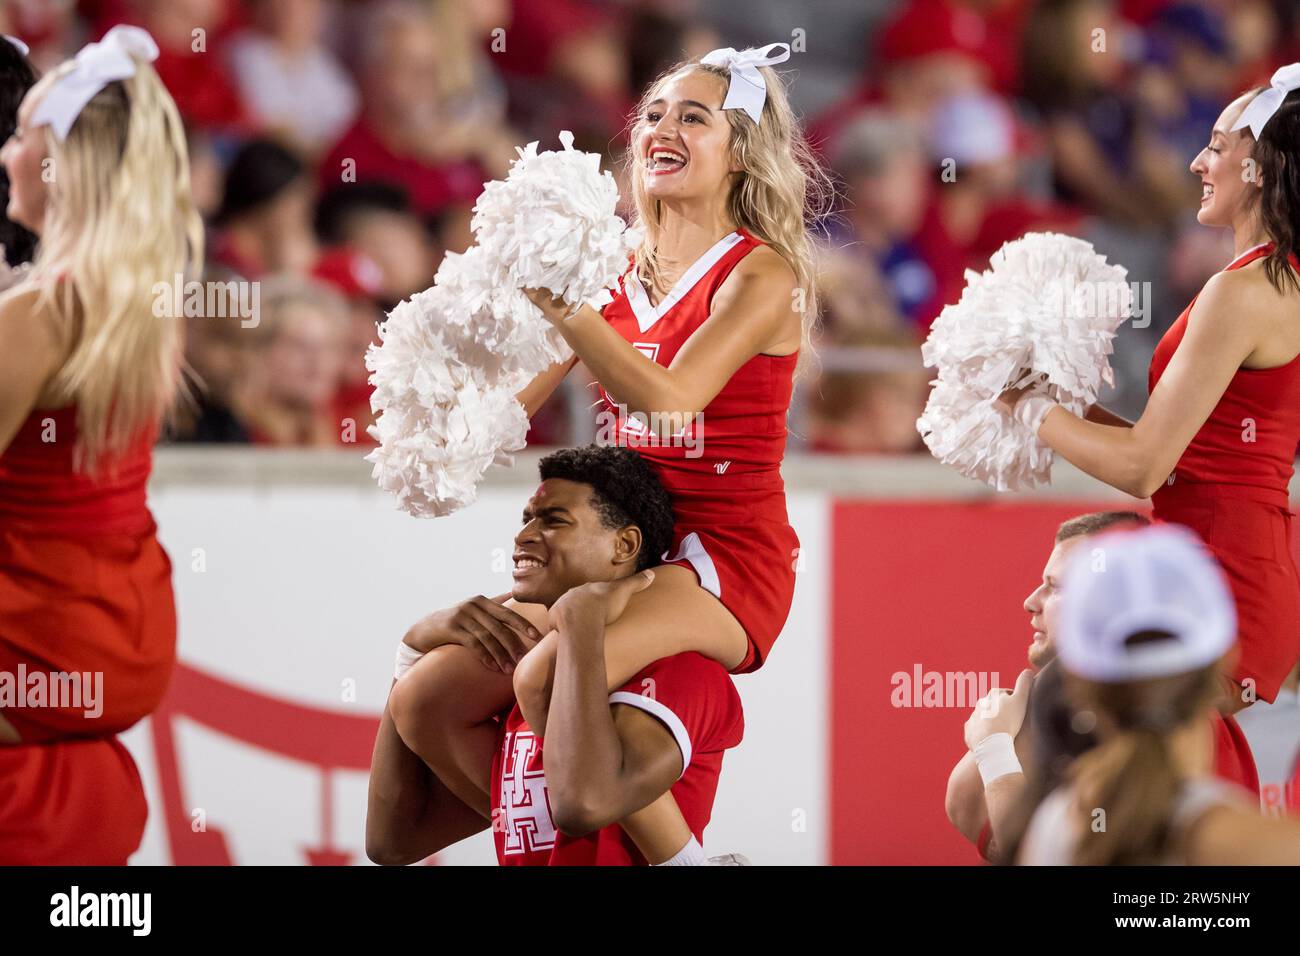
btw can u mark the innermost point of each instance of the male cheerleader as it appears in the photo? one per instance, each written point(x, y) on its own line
point(592, 529)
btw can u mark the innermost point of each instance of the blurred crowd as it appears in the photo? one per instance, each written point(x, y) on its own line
point(338, 146)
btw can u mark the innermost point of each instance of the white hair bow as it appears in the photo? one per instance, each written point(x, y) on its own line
point(747, 91)
point(97, 65)
point(17, 44)
point(1261, 109)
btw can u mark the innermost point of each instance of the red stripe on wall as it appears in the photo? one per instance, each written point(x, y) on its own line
point(933, 585)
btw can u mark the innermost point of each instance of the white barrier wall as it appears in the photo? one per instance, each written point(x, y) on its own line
point(297, 582)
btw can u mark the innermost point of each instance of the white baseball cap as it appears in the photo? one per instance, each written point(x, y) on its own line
point(1160, 578)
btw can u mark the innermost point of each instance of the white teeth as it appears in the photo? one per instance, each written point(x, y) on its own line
point(528, 563)
point(664, 158)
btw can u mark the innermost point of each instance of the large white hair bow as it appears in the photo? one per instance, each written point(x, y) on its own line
point(97, 65)
point(1261, 109)
point(747, 91)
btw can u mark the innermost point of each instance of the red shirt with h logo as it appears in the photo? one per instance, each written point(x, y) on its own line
point(695, 700)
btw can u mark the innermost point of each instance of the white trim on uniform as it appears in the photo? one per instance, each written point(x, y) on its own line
point(647, 314)
point(692, 550)
point(1236, 259)
point(665, 716)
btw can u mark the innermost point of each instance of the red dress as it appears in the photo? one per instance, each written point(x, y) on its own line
point(723, 471)
point(85, 596)
point(1231, 487)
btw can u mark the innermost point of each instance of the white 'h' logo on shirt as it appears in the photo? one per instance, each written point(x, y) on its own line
point(529, 826)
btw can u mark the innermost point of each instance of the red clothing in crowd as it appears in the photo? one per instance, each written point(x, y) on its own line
point(949, 258)
point(430, 188)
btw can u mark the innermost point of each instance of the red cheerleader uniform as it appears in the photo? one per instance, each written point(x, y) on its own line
point(85, 590)
point(1231, 488)
point(723, 471)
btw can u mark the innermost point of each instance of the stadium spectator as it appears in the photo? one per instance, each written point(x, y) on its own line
point(264, 221)
point(409, 133)
point(186, 32)
point(975, 204)
point(882, 162)
point(1104, 155)
point(376, 220)
point(286, 397)
point(925, 51)
point(355, 277)
point(218, 352)
point(986, 813)
point(282, 64)
point(1143, 642)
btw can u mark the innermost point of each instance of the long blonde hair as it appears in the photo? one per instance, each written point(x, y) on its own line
point(119, 220)
point(1131, 775)
point(780, 192)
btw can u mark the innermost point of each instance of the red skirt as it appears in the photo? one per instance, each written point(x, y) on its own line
point(1249, 531)
point(745, 553)
point(98, 607)
point(74, 803)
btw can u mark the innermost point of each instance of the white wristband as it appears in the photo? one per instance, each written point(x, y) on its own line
point(995, 756)
point(406, 659)
point(1031, 410)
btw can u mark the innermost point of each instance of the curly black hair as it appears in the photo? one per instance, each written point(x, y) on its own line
point(16, 77)
point(625, 490)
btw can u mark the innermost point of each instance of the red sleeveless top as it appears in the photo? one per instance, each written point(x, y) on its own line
point(1263, 404)
point(41, 492)
point(738, 440)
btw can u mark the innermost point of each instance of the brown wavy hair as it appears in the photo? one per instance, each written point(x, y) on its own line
point(1277, 158)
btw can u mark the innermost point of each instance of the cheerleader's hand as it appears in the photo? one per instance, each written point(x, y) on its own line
point(553, 307)
point(1028, 404)
point(1009, 399)
point(604, 600)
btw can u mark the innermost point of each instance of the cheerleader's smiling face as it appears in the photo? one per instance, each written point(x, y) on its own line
point(683, 139)
point(1229, 179)
point(23, 157)
point(566, 541)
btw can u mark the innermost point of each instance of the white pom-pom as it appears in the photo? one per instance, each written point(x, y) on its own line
point(452, 358)
point(553, 224)
point(1045, 313)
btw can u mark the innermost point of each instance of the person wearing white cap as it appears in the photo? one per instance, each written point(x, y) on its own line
point(1147, 627)
point(1214, 448)
point(986, 787)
